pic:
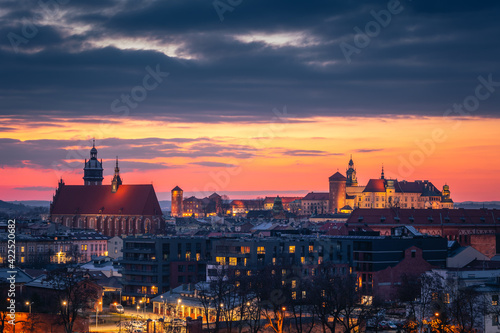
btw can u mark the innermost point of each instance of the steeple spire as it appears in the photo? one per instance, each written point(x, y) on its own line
point(117, 180)
point(382, 176)
point(352, 180)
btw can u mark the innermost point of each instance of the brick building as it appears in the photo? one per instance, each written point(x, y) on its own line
point(113, 210)
point(475, 227)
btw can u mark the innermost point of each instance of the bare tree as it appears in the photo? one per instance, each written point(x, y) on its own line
point(337, 303)
point(432, 285)
point(74, 291)
point(467, 309)
point(213, 293)
point(269, 290)
point(32, 323)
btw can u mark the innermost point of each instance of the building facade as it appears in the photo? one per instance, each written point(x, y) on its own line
point(154, 265)
point(346, 194)
point(112, 210)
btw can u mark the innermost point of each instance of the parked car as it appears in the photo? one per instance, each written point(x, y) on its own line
point(117, 308)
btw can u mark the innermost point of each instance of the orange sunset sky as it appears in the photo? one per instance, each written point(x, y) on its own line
point(287, 156)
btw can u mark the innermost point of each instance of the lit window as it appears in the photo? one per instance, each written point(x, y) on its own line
point(233, 261)
point(294, 295)
point(154, 290)
point(198, 256)
point(304, 294)
point(294, 284)
point(291, 249)
point(22, 259)
point(261, 250)
point(311, 248)
point(22, 248)
point(494, 300)
point(220, 260)
point(302, 260)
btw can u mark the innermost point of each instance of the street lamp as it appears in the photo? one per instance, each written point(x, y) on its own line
point(164, 307)
point(177, 309)
point(96, 314)
point(29, 304)
point(138, 309)
point(140, 302)
point(64, 303)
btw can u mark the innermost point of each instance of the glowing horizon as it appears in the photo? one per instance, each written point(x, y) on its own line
point(290, 155)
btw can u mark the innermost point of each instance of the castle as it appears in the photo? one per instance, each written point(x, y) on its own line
point(346, 194)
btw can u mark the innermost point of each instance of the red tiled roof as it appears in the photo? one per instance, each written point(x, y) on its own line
point(460, 216)
point(284, 200)
point(337, 176)
point(90, 199)
point(317, 196)
point(375, 185)
point(423, 187)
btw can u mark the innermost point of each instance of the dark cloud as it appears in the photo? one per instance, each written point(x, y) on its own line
point(130, 152)
point(427, 58)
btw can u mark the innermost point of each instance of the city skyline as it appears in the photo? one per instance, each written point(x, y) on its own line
point(249, 98)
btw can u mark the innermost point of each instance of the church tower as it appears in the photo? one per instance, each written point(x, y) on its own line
point(117, 180)
point(352, 180)
point(92, 172)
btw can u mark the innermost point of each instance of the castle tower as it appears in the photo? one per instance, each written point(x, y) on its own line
point(277, 205)
point(177, 197)
point(337, 198)
point(352, 180)
point(117, 180)
point(92, 171)
point(446, 201)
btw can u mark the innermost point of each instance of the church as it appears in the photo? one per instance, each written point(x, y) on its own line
point(113, 210)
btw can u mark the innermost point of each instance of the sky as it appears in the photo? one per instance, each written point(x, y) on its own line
point(249, 98)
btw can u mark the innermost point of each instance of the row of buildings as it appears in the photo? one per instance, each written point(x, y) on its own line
point(344, 195)
point(121, 209)
point(155, 265)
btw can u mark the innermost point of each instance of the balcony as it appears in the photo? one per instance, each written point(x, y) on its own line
point(138, 250)
point(136, 272)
